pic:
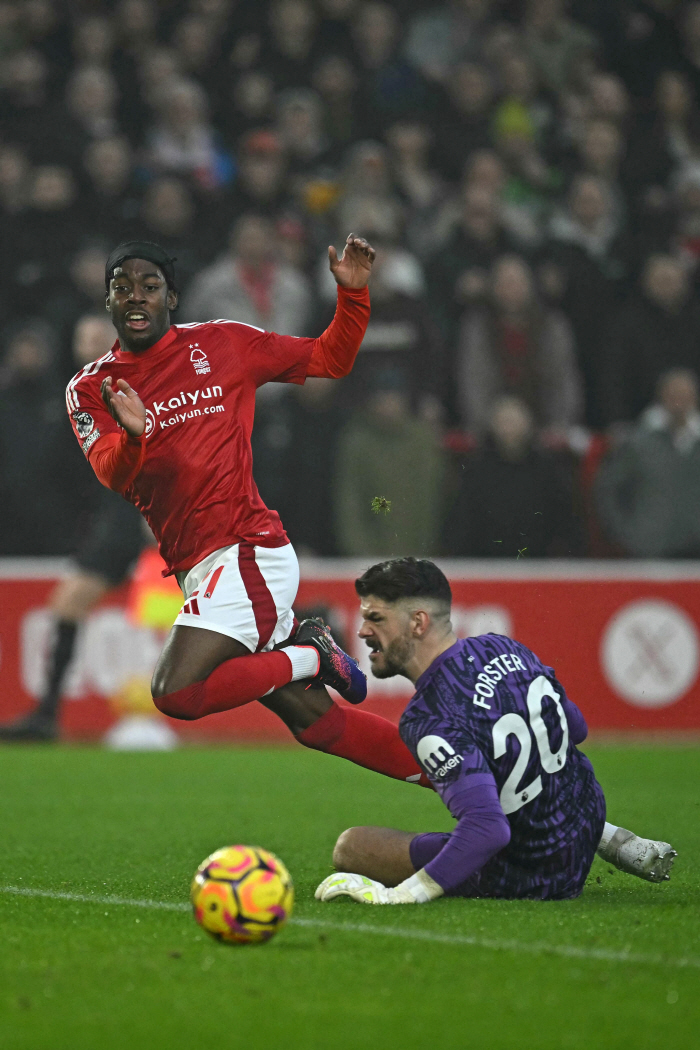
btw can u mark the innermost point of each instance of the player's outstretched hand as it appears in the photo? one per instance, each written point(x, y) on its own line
point(416, 889)
point(353, 268)
point(125, 406)
point(359, 887)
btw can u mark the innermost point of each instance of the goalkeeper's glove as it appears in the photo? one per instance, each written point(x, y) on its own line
point(418, 889)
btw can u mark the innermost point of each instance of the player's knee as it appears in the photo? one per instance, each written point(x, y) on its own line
point(346, 849)
point(184, 704)
point(165, 682)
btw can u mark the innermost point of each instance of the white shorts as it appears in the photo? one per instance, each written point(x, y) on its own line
point(243, 591)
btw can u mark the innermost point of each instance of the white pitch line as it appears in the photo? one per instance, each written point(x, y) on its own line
point(566, 951)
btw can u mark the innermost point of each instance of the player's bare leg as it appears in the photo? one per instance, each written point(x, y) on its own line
point(378, 853)
point(648, 859)
point(189, 655)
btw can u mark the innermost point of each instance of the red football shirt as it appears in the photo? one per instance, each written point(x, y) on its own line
point(195, 485)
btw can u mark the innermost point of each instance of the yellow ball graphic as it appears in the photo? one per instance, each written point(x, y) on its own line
point(242, 895)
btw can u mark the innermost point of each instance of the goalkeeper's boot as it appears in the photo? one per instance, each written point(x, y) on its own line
point(336, 668)
point(646, 858)
point(34, 727)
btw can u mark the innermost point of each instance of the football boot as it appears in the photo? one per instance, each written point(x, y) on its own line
point(336, 668)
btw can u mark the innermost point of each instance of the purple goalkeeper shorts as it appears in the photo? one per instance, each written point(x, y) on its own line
point(561, 875)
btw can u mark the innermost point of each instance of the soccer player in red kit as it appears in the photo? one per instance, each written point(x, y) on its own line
point(165, 419)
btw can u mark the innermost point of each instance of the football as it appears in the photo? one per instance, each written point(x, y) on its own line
point(242, 895)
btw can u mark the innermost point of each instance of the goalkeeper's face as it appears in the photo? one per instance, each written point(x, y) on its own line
point(388, 631)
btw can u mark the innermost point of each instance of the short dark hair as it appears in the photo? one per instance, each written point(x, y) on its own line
point(405, 578)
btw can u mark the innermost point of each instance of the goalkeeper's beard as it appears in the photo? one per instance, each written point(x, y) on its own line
point(394, 658)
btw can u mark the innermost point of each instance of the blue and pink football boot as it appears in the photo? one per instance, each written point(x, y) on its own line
point(336, 668)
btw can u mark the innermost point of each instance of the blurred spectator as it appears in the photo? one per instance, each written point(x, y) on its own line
point(370, 200)
point(77, 291)
point(295, 443)
point(514, 500)
point(555, 43)
point(600, 153)
point(659, 327)
point(183, 142)
point(608, 99)
point(487, 170)
point(661, 142)
point(401, 338)
point(437, 39)
point(35, 478)
point(517, 346)
point(168, 216)
point(110, 200)
point(260, 185)
point(335, 34)
point(591, 260)
point(390, 89)
point(523, 102)
point(300, 130)
point(196, 44)
point(93, 41)
point(649, 487)
point(91, 96)
point(419, 184)
point(249, 105)
point(249, 284)
point(26, 118)
point(288, 56)
point(465, 123)
point(387, 453)
point(14, 176)
point(43, 238)
point(336, 82)
point(458, 273)
point(93, 336)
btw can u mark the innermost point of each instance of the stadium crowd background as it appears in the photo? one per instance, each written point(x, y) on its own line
point(530, 176)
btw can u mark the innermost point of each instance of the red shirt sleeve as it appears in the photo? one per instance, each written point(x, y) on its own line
point(335, 350)
point(117, 459)
point(277, 358)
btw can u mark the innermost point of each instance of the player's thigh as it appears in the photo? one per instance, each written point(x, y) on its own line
point(379, 853)
point(189, 655)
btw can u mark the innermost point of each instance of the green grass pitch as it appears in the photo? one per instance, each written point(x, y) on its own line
point(619, 967)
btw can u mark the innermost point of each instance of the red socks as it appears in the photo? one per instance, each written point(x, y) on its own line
point(231, 684)
point(360, 736)
point(365, 739)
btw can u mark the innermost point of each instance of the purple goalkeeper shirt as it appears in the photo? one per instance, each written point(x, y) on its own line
point(496, 734)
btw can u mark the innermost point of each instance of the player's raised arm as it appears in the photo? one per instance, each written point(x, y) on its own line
point(334, 351)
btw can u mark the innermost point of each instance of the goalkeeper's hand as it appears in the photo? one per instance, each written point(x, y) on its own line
point(418, 889)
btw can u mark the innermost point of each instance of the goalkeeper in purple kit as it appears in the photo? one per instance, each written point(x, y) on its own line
point(497, 736)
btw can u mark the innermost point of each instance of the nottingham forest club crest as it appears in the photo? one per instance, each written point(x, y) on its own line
point(199, 359)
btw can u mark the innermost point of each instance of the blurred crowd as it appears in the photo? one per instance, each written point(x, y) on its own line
point(529, 173)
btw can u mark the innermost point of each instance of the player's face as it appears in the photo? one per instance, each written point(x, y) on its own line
point(140, 302)
point(386, 630)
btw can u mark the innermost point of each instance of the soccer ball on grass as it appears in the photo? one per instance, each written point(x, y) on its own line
point(242, 895)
